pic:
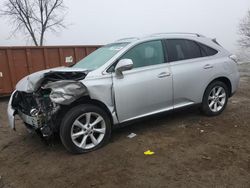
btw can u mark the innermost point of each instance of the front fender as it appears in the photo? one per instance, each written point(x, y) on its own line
point(66, 91)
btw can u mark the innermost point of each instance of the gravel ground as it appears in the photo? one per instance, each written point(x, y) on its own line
point(191, 150)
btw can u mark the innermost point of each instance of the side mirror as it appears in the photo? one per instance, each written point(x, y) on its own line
point(122, 65)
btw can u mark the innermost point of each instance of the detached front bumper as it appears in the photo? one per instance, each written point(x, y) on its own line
point(35, 121)
point(11, 112)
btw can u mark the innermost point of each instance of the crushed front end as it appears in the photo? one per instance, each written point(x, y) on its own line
point(36, 110)
point(39, 97)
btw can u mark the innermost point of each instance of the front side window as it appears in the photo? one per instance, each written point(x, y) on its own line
point(181, 49)
point(145, 54)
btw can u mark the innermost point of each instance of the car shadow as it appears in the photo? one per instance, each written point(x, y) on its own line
point(148, 123)
point(139, 126)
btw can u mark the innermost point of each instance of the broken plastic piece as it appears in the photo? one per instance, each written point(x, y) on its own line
point(206, 157)
point(149, 152)
point(66, 91)
point(131, 135)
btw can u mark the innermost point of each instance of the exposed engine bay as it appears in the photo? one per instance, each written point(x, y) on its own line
point(39, 105)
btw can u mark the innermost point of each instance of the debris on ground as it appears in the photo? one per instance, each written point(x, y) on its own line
point(132, 135)
point(183, 126)
point(201, 131)
point(149, 152)
point(206, 157)
point(208, 125)
point(235, 125)
point(234, 101)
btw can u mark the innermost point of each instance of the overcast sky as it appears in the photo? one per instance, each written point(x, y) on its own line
point(103, 21)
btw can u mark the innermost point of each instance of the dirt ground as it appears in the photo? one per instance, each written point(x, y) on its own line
point(191, 150)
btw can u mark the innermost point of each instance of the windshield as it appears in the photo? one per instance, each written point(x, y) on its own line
point(100, 56)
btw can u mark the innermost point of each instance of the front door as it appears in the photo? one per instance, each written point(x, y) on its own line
point(147, 88)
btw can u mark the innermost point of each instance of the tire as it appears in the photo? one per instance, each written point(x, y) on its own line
point(85, 128)
point(214, 102)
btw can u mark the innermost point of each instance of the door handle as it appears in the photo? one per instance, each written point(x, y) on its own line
point(163, 74)
point(208, 66)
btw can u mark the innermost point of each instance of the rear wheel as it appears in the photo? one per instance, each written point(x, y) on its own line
point(215, 98)
point(85, 128)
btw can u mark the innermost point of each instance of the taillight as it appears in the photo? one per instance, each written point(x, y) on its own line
point(234, 58)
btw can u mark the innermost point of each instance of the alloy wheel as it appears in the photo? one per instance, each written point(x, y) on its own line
point(217, 99)
point(88, 130)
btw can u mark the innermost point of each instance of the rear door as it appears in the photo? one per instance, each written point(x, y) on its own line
point(147, 88)
point(191, 68)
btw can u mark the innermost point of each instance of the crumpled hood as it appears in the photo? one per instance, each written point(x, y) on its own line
point(33, 81)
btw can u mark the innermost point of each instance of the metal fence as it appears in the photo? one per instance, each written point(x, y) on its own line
point(17, 62)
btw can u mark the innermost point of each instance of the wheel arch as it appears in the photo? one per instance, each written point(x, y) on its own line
point(88, 100)
point(223, 79)
point(83, 100)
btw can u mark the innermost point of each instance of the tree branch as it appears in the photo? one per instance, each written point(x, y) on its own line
point(34, 17)
point(244, 31)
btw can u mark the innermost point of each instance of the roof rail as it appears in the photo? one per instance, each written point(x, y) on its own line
point(177, 33)
point(129, 39)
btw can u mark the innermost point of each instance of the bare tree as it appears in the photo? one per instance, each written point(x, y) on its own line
point(244, 31)
point(34, 17)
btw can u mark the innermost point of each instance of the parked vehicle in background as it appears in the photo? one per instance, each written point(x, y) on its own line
point(128, 79)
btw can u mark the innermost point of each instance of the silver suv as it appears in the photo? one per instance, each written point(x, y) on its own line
point(122, 81)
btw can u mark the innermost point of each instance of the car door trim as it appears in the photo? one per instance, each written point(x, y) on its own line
point(148, 114)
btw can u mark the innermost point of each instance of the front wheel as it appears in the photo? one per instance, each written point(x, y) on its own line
point(215, 98)
point(85, 128)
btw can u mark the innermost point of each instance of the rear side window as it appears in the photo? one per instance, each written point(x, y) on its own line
point(207, 51)
point(181, 49)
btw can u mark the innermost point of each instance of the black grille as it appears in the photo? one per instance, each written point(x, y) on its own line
point(23, 101)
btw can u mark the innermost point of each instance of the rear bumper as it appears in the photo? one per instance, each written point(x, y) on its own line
point(235, 80)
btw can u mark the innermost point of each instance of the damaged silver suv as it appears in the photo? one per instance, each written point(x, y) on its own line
point(128, 79)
